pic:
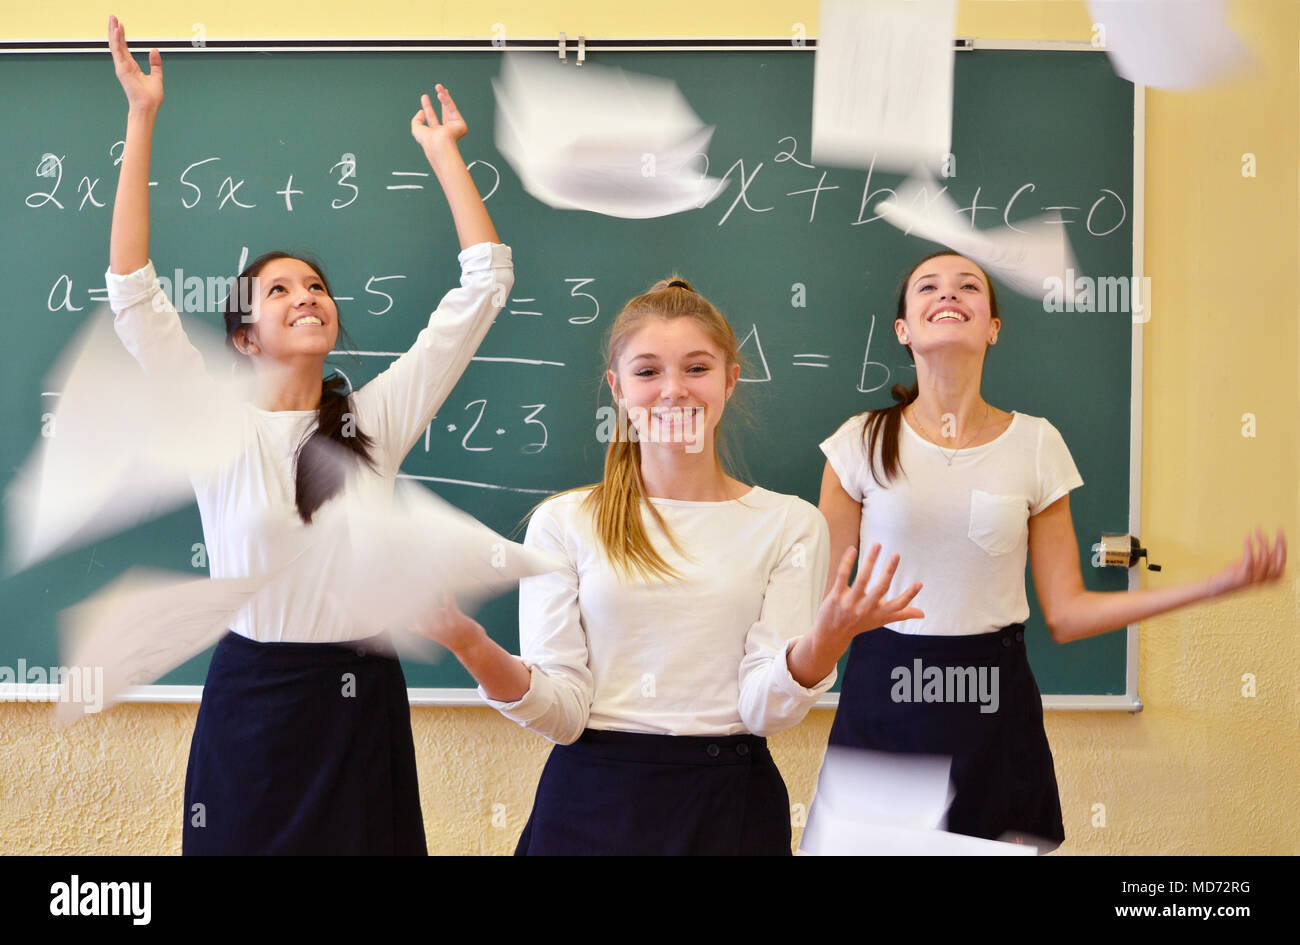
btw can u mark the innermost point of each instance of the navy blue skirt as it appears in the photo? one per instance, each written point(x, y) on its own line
point(621, 793)
point(303, 748)
point(990, 723)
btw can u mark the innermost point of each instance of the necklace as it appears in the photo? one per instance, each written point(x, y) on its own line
point(950, 457)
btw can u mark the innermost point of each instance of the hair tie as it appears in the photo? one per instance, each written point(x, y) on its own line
point(679, 283)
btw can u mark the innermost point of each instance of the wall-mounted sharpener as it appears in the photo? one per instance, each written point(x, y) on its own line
point(1119, 551)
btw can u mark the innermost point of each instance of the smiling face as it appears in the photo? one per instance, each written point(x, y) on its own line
point(293, 315)
point(674, 381)
point(947, 304)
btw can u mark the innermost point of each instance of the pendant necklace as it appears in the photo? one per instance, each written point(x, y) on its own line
point(916, 414)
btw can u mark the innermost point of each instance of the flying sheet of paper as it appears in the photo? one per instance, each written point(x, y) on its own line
point(882, 83)
point(601, 139)
point(403, 555)
point(391, 563)
point(911, 791)
point(138, 628)
point(1024, 255)
point(849, 838)
point(1170, 44)
point(121, 446)
point(871, 803)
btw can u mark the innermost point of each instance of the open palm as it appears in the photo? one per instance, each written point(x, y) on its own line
point(434, 135)
point(142, 90)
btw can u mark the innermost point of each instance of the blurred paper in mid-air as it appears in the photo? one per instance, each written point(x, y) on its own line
point(871, 803)
point(882, 83)
point(1169, 44)
point(121, 446)
point(138, 628)
point(1024, 255)
point(601, 139)
point(405, 554)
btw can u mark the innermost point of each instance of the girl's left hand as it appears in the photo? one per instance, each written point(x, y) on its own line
point(1260, 565)
point(848, 610)
point(438, 136)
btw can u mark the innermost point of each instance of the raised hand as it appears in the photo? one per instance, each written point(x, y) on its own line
point(1259, 565)
point(142, 91)
point(849, 610)
point(436, 136)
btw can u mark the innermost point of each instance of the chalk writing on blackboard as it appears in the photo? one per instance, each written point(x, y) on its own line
point(868, 364)
point(574, 293)
point(50, 165)
point(757, 358)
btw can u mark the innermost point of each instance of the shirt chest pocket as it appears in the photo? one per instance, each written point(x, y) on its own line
point(997, 522)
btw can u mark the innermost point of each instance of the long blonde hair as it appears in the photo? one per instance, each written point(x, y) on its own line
point(616, 501)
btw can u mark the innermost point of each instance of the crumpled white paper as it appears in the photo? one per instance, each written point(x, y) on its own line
point(601, 139)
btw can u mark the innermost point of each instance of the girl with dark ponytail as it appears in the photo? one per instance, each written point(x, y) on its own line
point(303, 740)
point(317, 478)
point(966, 492)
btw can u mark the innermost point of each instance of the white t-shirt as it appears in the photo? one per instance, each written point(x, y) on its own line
point(704, 655)
point(251, 524)
point(962, 530)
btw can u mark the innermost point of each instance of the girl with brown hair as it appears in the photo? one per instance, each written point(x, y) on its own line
point(965, 492)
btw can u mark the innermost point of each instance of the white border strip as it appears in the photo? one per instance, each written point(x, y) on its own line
point(1135, 377)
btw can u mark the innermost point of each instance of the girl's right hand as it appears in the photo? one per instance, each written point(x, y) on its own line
point(850, 610)
point(453, 629)
point(143, 92)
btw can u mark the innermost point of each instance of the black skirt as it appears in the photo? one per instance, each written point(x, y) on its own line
point(620, 793)
point(303, 748)
point(1002, 767)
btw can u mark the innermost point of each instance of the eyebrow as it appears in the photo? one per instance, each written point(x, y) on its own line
point(693, 354)
point(278, 279)
point(935, 275)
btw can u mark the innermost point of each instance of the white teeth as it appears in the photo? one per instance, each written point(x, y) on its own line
point(948, 316)
point(672, 413)
point(308, 320)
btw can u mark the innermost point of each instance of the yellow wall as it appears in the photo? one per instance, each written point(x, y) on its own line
point(1201, 770)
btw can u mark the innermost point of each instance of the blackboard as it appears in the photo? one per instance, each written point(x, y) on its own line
point(249, 153)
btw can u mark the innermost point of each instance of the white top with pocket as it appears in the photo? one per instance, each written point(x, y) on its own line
point(962, 530)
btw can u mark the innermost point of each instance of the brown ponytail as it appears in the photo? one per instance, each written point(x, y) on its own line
point(882, 426)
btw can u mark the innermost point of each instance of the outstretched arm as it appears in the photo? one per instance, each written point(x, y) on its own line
point(549, 687)
point(146, 321)
point(504, 677)
point(438, 138)
point(1073, 613)
point(129, 242)
point(399, 403)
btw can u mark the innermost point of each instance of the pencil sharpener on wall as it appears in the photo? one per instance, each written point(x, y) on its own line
point(1119, 551)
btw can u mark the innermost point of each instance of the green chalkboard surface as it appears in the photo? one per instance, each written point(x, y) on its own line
point(249, 154)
